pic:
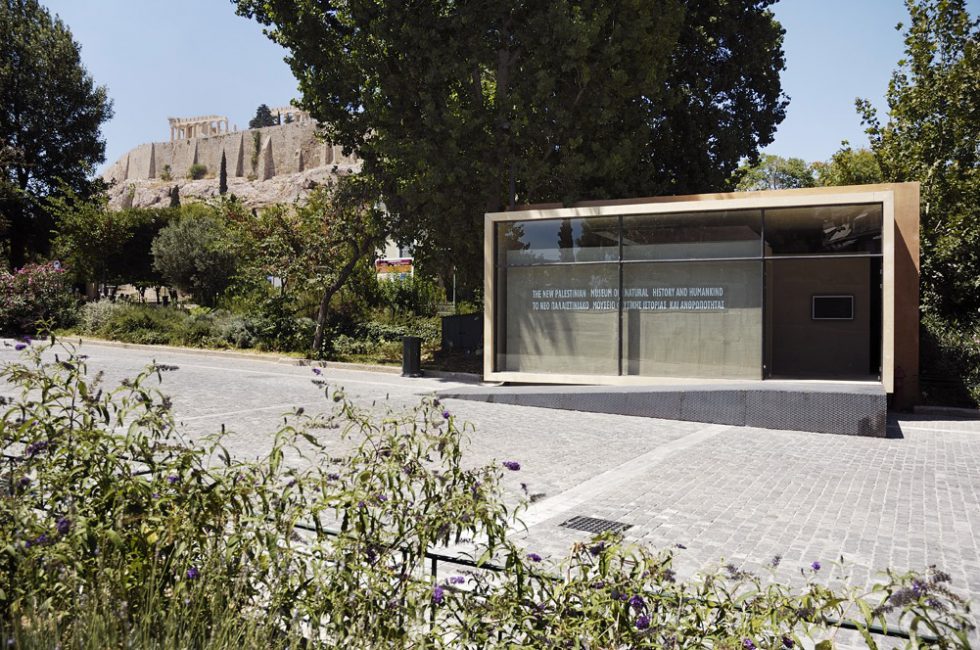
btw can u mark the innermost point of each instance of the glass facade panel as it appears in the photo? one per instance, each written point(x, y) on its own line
point(692, 286)
point(558, 319)
point(828, 229)
point(558, 240)
point(727, 233)
point(693, 319)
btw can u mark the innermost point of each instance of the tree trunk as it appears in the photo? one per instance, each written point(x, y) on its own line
point(330, 291)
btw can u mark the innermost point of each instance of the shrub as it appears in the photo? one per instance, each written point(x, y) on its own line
point(197, 171)
point(94, 317)
point(142, 324)
point(125, 534)
point(238, 331)
point(414, 294)
point(34, 295)
point(166, 174)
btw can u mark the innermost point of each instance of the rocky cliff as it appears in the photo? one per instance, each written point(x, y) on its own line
point(287, 188)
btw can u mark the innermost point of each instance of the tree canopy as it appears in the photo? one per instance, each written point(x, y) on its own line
point(846, 167)
point(931, 136)
point(458, 108)
point(50, 114)
point(776, 173)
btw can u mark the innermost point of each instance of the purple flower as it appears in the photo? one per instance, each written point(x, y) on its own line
point(788, 642)
point(457, 580)
point(534, 557)
point(20, 346)
point(173, 479)
point(381, 498)
point(599, 584)
point(23, 482)
point(437, 595)
point(747, 644)
point(776, 559)
point(642, 622)
point(815, 566)
point(512, 465)
point(333, 477)
point(317, 372)
point(193, 573)
point(445, 414)
point(63, 525)
point(35, 447)
point(680, 546)
point(598, 548)
point(637, 602)
point(41, 540)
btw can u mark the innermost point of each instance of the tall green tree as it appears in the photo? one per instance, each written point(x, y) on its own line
point(223, 175)
point(50, 114)
point(195, 254)
point(263, 117)
point(775, 173)
point(107, 246)
point(458, 108)
point(931, 135)
point(316, 246)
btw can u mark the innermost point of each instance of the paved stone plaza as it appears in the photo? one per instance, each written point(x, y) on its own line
point(732, 493)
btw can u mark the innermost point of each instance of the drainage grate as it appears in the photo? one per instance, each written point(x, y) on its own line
point(593, 525)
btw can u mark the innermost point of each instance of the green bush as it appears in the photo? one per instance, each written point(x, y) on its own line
point(123, 533)
point(142, 324)
point(34, 297)
point(950, 362)
point(414, 295)
point(155, 324)
point(94, 317)
point(197, 171)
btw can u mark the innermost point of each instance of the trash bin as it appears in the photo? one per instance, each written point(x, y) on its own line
point(411, 356)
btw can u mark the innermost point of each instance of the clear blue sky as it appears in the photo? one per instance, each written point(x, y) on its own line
point(196, 57)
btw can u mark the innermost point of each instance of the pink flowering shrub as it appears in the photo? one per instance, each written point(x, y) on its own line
point(35, 294)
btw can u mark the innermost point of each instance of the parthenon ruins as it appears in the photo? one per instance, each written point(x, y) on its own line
point(285, 114)
point(185, 128)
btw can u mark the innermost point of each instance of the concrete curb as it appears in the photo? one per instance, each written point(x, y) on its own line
point(948, 411)
point(272, 358)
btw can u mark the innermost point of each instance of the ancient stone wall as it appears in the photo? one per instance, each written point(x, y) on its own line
point(255, 153)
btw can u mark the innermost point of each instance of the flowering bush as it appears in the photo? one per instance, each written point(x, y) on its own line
point(119, 532)
point(35, 294)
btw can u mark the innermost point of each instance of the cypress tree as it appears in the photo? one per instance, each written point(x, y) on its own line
point(223, 176)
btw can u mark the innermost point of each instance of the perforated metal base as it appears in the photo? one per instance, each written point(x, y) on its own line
point(848, 409)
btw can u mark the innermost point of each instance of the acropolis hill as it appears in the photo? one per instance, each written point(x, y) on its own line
point(273, 164)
